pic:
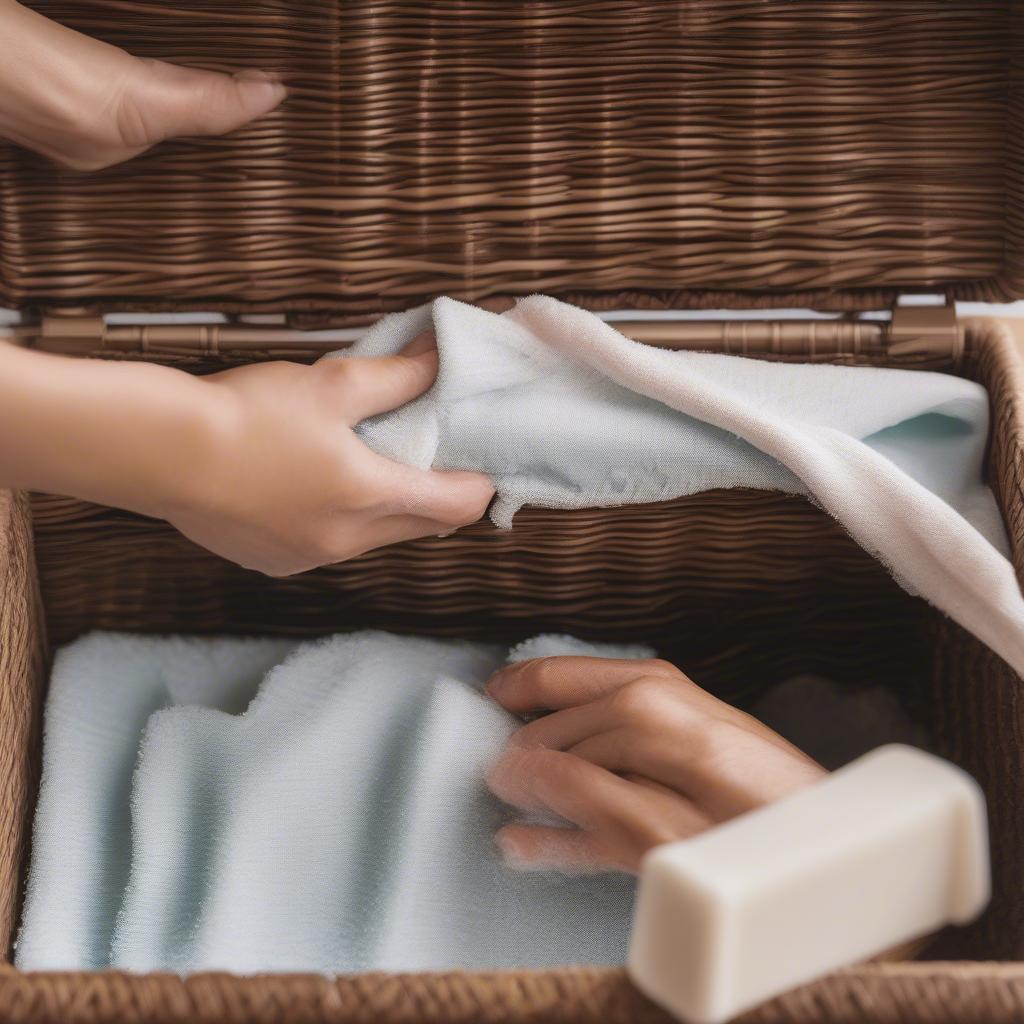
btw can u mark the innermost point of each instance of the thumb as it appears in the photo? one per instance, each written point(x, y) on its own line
point(371, 385)
point(448, 497)
point(380, 384)
point(175, 101)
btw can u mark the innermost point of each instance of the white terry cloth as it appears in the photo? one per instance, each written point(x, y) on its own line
point(338, 822)
point(562, 411)
point(103, 690)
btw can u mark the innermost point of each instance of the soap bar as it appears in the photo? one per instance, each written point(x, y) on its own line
point(884, 850)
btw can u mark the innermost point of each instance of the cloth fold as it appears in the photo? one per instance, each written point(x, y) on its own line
point(246, 805)
point(563, 411)
point(253, 805)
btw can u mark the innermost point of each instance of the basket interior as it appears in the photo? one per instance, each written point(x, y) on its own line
point(741, 588)
point(813, 153)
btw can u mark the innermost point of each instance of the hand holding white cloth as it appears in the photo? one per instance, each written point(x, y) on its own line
point(562, 411)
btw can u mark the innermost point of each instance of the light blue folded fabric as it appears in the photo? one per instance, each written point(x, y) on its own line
point(249, 806)
point(523, 405)
point(562, 411)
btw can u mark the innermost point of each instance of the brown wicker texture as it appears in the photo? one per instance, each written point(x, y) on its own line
point(924, 993)
point(733, 153)
point(717, 581)
point(22, 647)
point(998, 362)
point(688, 153)
point(739, 586)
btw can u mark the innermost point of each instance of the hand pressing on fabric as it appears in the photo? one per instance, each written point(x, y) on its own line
point(633, 754)
point(87, 105)
point(260, 464)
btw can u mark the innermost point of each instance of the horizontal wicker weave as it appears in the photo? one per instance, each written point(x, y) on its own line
point(739, 586)
point(662, 152)
point(925, 993)
point(725, 153)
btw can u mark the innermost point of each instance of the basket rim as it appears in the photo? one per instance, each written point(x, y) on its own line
point(935, 992)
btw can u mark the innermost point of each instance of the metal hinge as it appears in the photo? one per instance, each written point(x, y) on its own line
point(926, 330)
point(71, 332)
point(84, 332)
point(919, 331)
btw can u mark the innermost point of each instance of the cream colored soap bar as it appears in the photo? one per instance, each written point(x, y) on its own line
point(887, 849)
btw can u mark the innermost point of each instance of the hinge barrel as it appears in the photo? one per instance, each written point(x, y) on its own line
point(87, 334)
point(927, 334)
point(931, 331)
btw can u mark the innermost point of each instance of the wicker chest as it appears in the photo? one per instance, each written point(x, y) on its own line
point(664, 154)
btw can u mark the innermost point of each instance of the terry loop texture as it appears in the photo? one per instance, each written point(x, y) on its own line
point(562, 411)
point(237, 804)
point(513, 198)
point(726, 582)
point(813, 153)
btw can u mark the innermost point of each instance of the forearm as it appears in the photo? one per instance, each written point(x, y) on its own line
point(123, 434)
point(40, 79)
point(260, 464)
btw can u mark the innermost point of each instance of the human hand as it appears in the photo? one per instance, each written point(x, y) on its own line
point(285, 483)
point(634, 754)
point(259, 464)
point(87, 105)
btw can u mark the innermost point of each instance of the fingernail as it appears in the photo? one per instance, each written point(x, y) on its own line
point(255, 75)
point(422, 344)
point(497, 684)
point(507, 848)
point(263, 81)
point(504, 679)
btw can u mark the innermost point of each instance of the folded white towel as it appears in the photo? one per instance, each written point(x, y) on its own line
point(248, 805)
point(339, 822)
point(564, 412)
point(103, 689)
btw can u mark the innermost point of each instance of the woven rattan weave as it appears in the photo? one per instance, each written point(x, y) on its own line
point(727, 153)
point(742, 587)
point(724, 153)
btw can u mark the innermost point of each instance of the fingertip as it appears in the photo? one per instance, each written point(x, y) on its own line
point(261, 91)
point(508, 776)
point(453, 498)
point(512, 688)
point(515, 687)
point(494, 686)
point(476, 492)
point(501, 686)
point(514, 851)
point(183, 101)
point(424, 342)
point(374, 385)
point(549, 848)
point(424, 364)
point(494, 780)
point(468, 478)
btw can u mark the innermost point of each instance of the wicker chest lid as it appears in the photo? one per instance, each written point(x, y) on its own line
point(676, 153)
